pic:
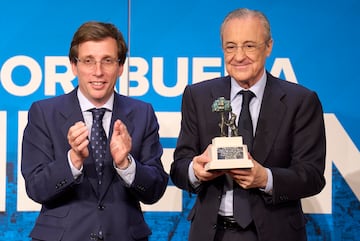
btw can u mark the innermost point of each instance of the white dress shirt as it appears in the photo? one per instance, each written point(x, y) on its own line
point(128, 174)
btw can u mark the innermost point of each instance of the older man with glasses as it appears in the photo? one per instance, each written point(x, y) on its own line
point(280, 122)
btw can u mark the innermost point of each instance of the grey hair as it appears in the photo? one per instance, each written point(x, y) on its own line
point(244, 13)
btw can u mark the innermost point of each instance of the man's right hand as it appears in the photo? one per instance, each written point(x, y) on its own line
point(199, 163)
point(78, 140)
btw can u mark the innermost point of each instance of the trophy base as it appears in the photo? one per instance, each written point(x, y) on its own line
point(228, 153)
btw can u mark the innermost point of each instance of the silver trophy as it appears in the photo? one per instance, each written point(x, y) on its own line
point(227, 151)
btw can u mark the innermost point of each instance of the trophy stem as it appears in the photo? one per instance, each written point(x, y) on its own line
point(222, 124)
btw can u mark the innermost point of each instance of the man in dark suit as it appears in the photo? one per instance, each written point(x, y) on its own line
point(80, 201)
point(287, 150)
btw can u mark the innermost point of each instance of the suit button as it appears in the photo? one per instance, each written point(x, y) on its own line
point(101, 207)
point(141, 188)
point(100, 236)
point(93, 236)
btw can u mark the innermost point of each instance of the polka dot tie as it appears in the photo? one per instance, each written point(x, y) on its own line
point(98, 141)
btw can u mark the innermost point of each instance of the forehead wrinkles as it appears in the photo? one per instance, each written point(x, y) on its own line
point(241, 30)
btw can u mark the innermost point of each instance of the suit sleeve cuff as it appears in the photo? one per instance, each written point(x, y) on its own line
point(75, 172)
point(128, 174)
point(195, 183)
point(269, 185)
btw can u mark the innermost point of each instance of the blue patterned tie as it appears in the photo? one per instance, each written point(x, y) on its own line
point(242, 209)
point(98, 141)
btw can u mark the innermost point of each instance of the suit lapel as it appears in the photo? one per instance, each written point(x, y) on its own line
point(221, 88)
point(70, 111)
point(269, 120)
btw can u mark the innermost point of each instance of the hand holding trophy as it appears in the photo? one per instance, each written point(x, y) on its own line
point(227, 152)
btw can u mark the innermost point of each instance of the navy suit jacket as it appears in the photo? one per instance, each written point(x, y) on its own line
point(289, 140)
point(72, 209)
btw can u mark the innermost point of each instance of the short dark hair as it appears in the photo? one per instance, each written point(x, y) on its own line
point(96, 31)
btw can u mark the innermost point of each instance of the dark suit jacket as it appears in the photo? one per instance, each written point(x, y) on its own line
point(289, 139)
point(71, 209)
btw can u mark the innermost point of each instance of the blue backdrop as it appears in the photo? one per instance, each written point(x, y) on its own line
point(171, 44)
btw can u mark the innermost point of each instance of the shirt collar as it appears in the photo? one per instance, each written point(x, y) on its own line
point(258, 88)
point(86, 105)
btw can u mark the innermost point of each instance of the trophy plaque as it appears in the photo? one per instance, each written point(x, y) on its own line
point(227, 152)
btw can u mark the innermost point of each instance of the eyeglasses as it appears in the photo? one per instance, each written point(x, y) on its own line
point(106, 63)
point(246, 48)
